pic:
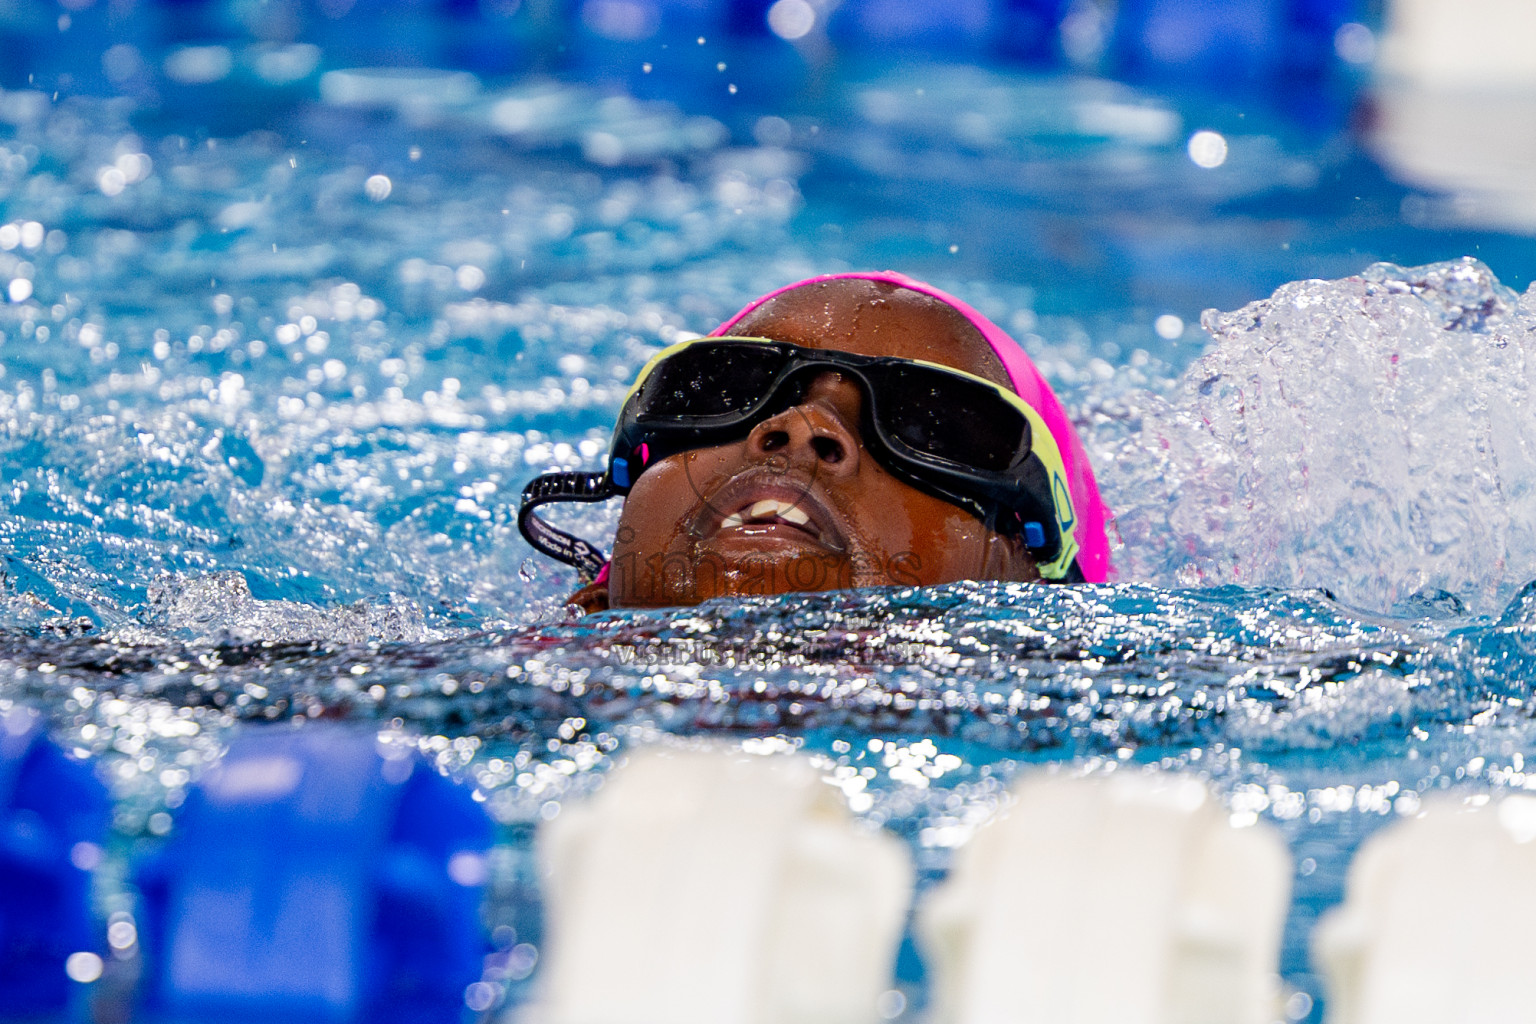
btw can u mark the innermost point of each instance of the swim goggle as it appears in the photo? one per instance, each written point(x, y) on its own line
point(949, 433)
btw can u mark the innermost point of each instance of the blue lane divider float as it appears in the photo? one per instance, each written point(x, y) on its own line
point(53, 815)
point(311, 877)
point(1228, 40)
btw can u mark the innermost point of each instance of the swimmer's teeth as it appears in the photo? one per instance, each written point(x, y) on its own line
point(768, 508)
point(765, 508)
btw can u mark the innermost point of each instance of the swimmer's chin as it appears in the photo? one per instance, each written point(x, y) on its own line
point(746, 563)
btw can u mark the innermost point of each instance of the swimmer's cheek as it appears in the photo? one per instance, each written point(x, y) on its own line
point(662, 579)
point(666, 579)
point(903, 569)
point(589, 599)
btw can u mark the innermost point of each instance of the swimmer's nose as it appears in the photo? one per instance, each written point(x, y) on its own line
point(821, 428)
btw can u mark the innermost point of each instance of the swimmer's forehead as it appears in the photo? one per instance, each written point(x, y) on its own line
point(875, 318)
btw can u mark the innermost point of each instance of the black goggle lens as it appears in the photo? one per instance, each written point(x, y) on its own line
point(950, 418)
point(709, 380)
point(930, 412)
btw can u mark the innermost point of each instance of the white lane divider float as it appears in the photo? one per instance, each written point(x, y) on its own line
point(1127, 899)
point(717, 887)
point(1435, 923)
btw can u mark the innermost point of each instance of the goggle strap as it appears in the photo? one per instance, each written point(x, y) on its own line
point(556, 543)
point(589, 487)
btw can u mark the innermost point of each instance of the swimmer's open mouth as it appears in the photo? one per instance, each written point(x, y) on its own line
point(770, 508)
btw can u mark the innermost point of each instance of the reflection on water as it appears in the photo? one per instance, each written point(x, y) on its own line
point(918, 705)
point(1018, 671)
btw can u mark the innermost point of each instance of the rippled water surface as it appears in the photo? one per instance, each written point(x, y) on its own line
point(269, 390)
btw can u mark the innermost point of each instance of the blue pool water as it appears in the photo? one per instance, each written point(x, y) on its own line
point(285, 339)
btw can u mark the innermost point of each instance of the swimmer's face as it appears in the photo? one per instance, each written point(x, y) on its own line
point(800, 504)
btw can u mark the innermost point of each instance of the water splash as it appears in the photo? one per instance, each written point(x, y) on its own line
point(1373, 435)
point(218, 608)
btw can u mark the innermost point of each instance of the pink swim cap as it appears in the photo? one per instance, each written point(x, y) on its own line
point(1088, 507)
